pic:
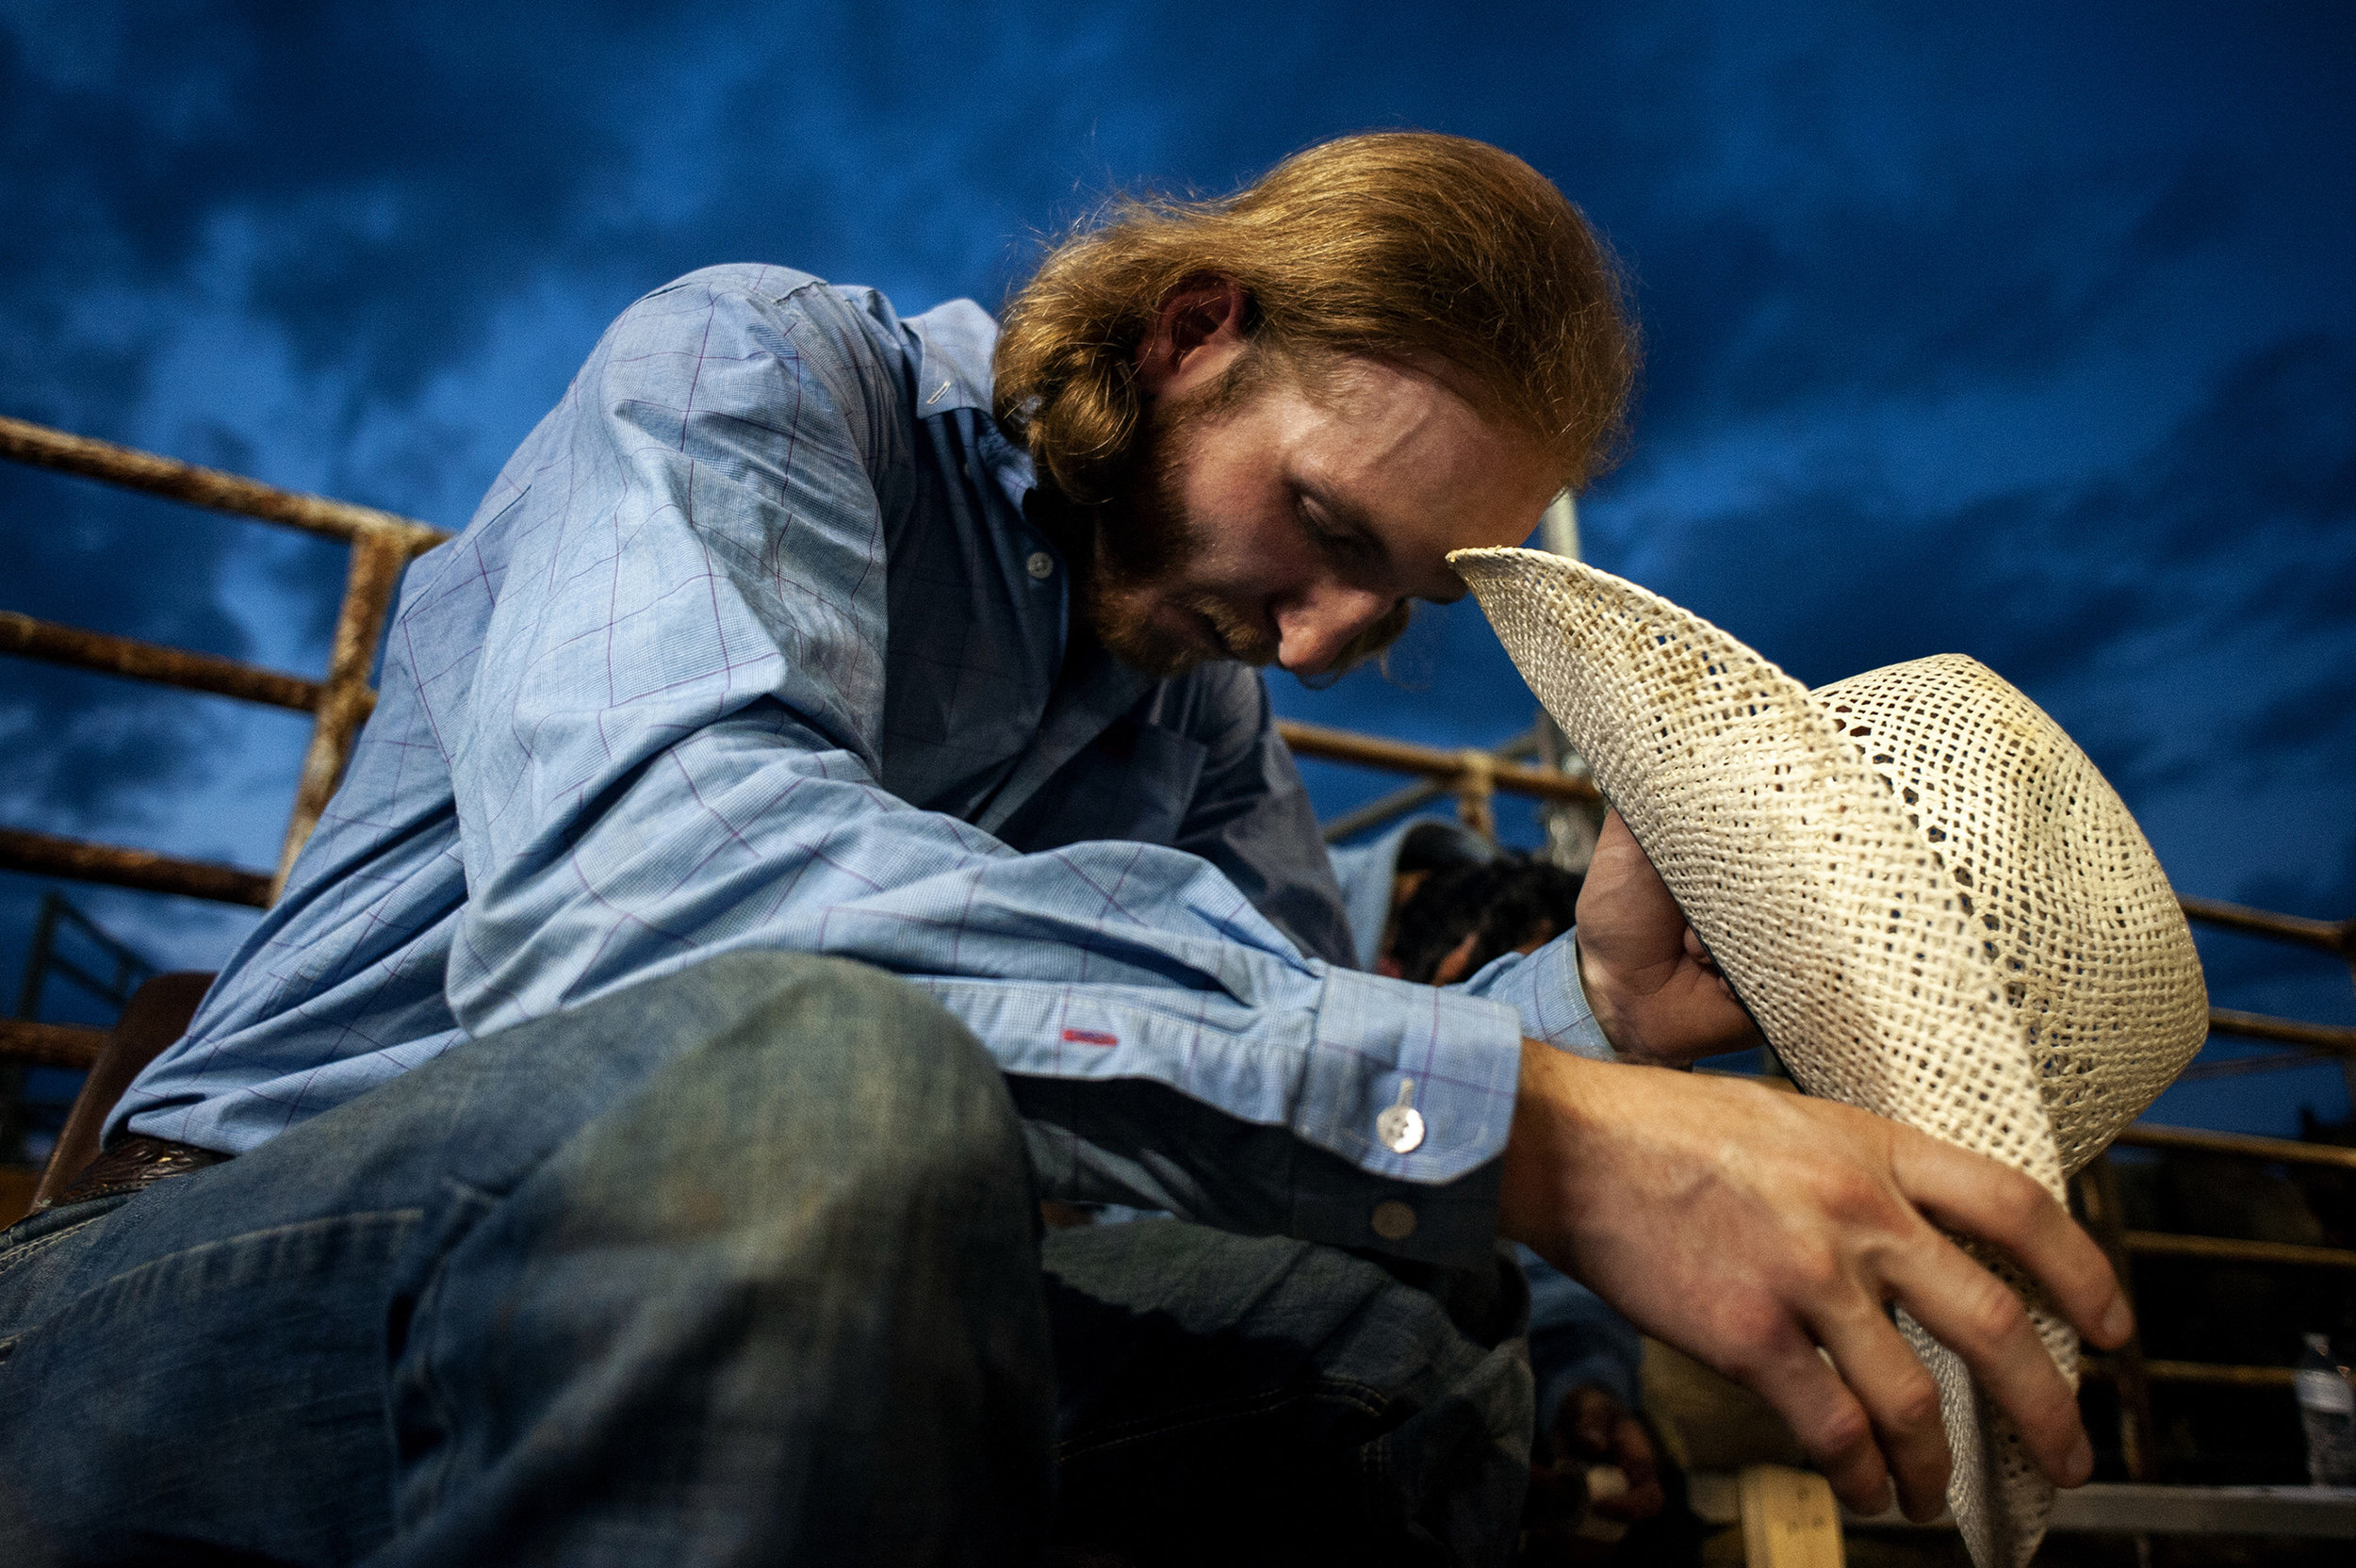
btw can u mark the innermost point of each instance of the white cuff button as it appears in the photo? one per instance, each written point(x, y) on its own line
point(1401, 1126)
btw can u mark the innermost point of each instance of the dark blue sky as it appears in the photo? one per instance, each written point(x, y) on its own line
point(2019, 331)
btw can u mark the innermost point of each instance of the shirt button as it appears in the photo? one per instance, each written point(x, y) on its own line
point(1401, 1126)
point(1042, 566)
point(1393, 1220)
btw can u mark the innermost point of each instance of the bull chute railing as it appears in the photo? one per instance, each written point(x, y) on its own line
point(382, 543)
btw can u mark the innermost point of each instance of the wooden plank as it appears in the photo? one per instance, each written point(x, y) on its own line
point(1789, 1519)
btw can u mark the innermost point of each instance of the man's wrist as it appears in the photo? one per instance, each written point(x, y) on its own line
point(1541, 1144)
point(1603, 1001)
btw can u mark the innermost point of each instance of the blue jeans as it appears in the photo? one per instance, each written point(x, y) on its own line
point(740, 1266)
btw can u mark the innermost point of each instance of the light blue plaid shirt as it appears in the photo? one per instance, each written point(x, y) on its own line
point(645, 709)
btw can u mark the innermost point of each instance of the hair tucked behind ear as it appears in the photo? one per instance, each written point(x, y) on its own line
point(1400, 246)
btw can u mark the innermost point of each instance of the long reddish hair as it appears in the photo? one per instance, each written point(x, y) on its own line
point(1400, 246)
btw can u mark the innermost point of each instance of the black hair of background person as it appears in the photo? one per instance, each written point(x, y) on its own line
point(1503, 904)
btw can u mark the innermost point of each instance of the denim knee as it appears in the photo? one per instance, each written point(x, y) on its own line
point(823, 1086)
point(801, 1252)
point(844, 1072)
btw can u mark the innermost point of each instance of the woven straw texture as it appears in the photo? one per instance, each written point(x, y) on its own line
point(1928, 897)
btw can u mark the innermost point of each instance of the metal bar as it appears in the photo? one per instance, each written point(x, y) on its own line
point(1402, 800)
point(2212, 1374)
point(1476, 793)
point(2158, 1244)
point(2138, 1435)
point(2332, 936)
point(2326, 1513)
point(99, 937)
point(78, 860)
point(1372, 751)
point(2316, 1512)
point(347, 699)
point(2338, 1039)
point(197, 672)
point(63, 1045)
point(1382, 810)
point(2238, 1067)
point(100, 989)
point(42, 448)
point(2192, 1140)
point(37, 956)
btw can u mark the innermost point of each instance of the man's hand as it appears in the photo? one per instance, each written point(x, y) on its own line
point(1748, 1227)
point(1654, 988)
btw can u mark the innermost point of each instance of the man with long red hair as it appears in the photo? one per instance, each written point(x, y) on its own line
point(827, 801)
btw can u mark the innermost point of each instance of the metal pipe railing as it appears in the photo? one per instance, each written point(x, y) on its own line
point(70, 646)
point(39, 447)
point(64, 1045)
point(2212, 1374)
point(2329, 1038)
point(2162, 1244)
point(2332, 936)
point(2243, 1146)
point(382, 543)
point(1423, 791)
point(2127, 1368)
point(1471, 775)
point(79, 860)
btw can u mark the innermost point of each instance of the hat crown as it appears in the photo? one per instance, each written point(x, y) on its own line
point(2081, 938)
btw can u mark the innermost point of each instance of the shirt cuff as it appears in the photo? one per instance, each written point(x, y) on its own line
point(1544, 987)
point(1409, 1082)
point(1453, 1224)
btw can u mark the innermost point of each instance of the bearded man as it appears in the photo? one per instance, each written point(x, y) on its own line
point(823, 803)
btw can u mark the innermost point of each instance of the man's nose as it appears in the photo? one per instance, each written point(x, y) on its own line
point(1314, 628)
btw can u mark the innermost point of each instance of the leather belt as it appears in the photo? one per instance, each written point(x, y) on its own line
point(136, 1162)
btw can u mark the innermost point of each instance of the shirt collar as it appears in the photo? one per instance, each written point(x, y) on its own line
point(954, 343)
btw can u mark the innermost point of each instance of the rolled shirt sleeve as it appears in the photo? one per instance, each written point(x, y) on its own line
point(1543, 988)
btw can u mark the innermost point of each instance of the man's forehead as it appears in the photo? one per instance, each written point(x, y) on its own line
point(1407, 460)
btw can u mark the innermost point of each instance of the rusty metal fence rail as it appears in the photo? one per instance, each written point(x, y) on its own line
point(382, 543)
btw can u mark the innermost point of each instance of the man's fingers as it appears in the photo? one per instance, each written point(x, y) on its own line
point(1829, 1422)
point(1978, 1317)
point(1975, 1314)
point(1975, 1195)
point(1901, 1400)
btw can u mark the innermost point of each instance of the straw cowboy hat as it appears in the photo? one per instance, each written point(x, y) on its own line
point(1930, 902)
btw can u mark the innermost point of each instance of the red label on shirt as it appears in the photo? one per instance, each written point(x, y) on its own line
point(1090, 1037)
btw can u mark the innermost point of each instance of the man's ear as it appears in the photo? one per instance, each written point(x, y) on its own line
point(1196, 333)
